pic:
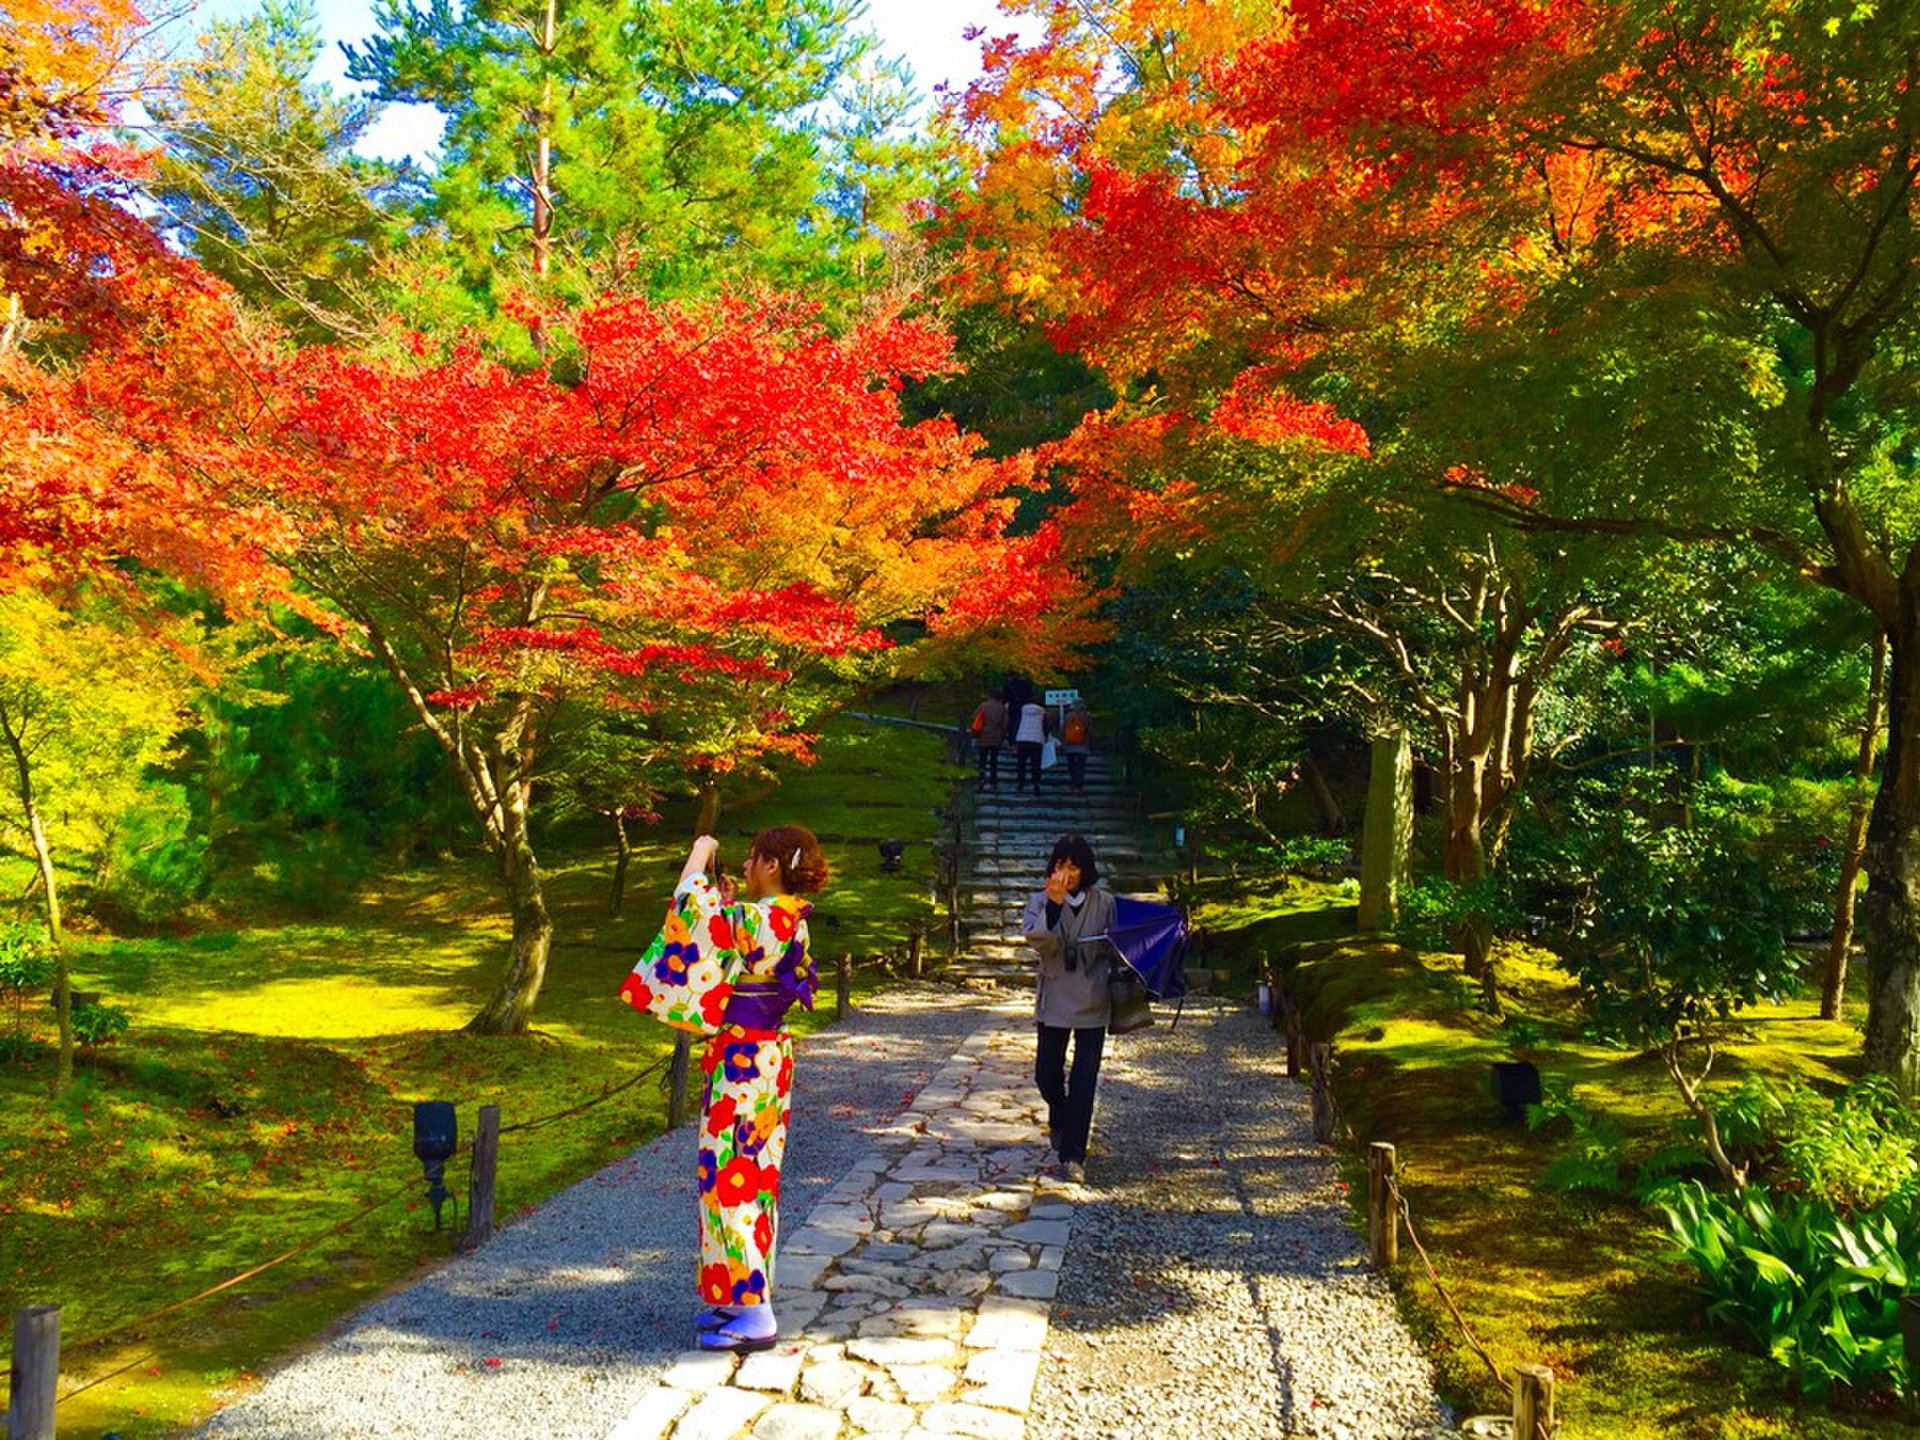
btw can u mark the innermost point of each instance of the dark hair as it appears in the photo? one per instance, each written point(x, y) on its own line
point(1076, 849)
point(807, 876)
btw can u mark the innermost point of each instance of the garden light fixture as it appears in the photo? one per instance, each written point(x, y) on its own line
point(436, 1135)
point(1516, 1085)
point(890, 853)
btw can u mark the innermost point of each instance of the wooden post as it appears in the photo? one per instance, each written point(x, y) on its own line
point(1532, 1402)
point(845, 996)
point(1321, 1059)
point(1287, 1015)
point(486, 1167)
point(677, 1077)
point(33, 1389)
point(1383, 1210)
point(916, 952)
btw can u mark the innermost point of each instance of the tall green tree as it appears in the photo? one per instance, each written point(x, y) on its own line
point(257, 177)
point(665, 145)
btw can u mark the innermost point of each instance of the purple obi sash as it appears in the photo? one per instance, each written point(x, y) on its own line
point(754, 1008)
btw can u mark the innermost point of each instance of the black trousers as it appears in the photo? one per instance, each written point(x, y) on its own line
point(1069, 1097)
point(989, 763)
point(1026, 761)
point(1077, 770)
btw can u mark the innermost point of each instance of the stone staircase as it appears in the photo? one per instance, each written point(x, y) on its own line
point(1004, 860)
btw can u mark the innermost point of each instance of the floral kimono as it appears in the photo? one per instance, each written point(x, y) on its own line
point(732, 971)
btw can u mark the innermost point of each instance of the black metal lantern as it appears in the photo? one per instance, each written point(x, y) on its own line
point(1516, 1085)
point(436, 1135)
point(890, 853)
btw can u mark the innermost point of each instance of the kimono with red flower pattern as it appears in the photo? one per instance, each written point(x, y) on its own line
point(704, 954)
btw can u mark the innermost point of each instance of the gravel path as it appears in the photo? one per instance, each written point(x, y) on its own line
point(1214, 1284)
point(555, 1326)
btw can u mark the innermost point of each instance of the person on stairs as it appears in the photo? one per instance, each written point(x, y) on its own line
point(730, 962)
point(1076, 743)
point(1029, 739)
point(989, 734)
point(1062, 922)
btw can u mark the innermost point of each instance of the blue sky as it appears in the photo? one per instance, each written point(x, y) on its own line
point(927, 33)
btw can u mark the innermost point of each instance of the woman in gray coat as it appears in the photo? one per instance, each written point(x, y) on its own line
point(1061, 922)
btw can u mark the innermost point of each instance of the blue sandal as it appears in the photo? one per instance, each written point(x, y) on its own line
point(713, 1319)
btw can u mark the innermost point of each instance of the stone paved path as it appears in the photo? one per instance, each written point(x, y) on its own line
point(915, 1297)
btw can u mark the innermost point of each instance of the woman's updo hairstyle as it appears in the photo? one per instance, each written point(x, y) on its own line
point(803, 864)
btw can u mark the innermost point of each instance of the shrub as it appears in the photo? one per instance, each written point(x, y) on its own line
point(26, 964)
point(1816, 1292)
point(1854, 1152)
point(98, 1022)
point(1433, 911)
point(1318, 857)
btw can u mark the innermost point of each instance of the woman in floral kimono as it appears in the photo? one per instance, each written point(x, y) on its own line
point(730, 962)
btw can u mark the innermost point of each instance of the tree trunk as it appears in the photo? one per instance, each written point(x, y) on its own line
point(50, 891)
point(1833, 991)
point(623, 856)
point(543, 155)
point(709, 814)
point(1890, 910)
point(1333, 820)
point(510, 1008)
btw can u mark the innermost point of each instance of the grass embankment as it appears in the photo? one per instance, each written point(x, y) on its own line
point(264, 1093)
point(1579, 1283)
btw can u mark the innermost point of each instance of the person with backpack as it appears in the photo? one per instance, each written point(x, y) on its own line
point(1076, 743)
point(989, 735)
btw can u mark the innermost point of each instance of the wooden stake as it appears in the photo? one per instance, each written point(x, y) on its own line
point(845, 996)
point(1289, 1017)
point(677, 1078)
point(1321, 1059)
point(1532, 1402)
point(486, 1166)
point(916, 953)
point(1383, 1211)
point(33, 1388)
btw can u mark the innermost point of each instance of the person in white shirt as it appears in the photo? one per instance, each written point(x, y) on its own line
point(1029, 737)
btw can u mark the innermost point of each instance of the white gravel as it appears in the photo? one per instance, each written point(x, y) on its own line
point(1215, 1284)
point(557, 1325)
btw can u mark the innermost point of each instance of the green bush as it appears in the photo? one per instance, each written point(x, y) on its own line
point(1854, 1152)
point(1319, 857)
point(1816, 1292)
point(1432, 911)
point(26, 964)
point(98, 1022)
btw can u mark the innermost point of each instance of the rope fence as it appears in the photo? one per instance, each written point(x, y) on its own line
point(34, 1394)
point(1530, 1389)
point(37, 1349)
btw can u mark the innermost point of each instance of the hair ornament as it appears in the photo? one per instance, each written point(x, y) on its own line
point(794, 864)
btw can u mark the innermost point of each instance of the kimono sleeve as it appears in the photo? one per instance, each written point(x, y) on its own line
point(685, 978)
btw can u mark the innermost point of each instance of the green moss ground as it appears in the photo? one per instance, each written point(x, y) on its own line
point(1582, 1285)
point(264, 1092)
